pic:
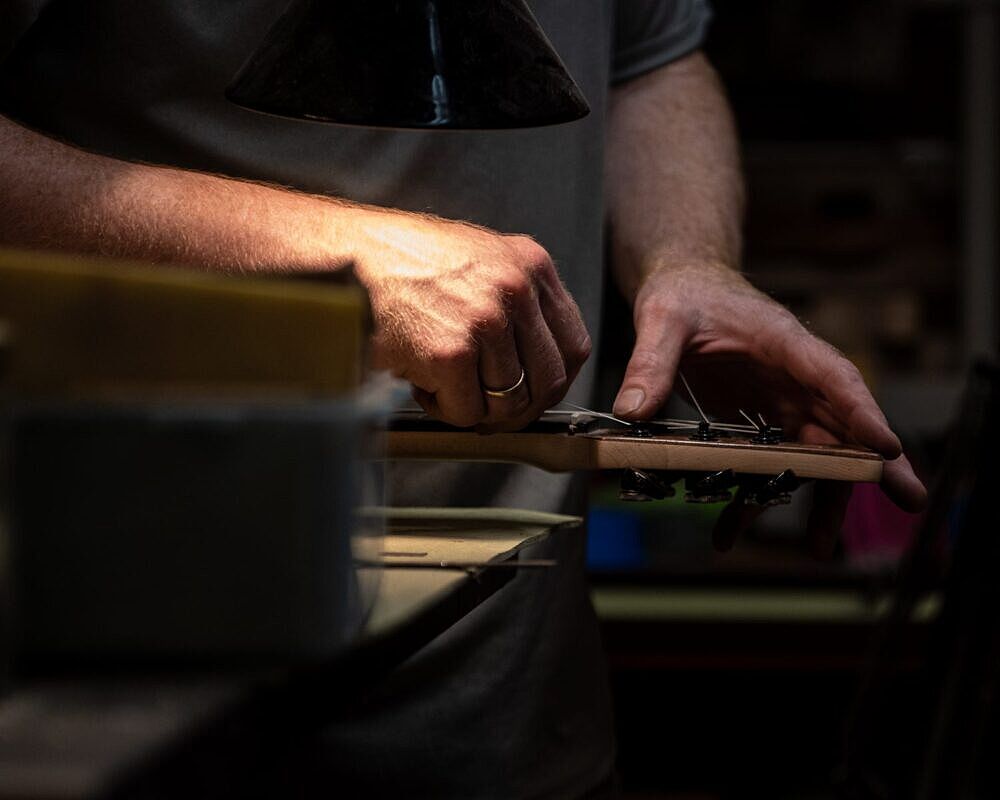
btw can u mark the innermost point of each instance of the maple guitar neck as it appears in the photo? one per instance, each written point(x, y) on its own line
point(553, 445)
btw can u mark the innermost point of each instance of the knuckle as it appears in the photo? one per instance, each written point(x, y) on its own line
point(450, 354)
point(555, 390)
point(838, 366)
point(538, 270)
point(489, 316)
point(514, 283)
point(644, 362)
point(666, 311)
point(582, 350)
point(791, 322)
point(493, 327)
point(852, 373)
point(531, 253)
point(789, 329)
point(657, 308)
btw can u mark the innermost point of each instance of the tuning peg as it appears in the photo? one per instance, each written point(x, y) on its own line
point(704, 433)
point(642, 485)
point(774, 492)
point(711, 488)
point(766, 434)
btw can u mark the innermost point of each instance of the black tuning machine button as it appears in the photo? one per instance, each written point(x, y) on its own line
point(768, 435)
point(776, 491)
point(640, 485)
point(704, 433)
point(710, 488)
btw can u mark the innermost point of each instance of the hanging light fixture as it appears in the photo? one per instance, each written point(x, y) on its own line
point(410, 64)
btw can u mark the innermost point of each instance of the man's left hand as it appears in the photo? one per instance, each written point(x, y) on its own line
point(740, 349)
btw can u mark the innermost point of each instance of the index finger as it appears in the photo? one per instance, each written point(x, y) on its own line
point(564, 320)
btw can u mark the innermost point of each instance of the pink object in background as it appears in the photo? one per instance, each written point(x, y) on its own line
point(875, 531)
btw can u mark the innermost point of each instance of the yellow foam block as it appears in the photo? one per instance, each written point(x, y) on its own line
point(92, 327)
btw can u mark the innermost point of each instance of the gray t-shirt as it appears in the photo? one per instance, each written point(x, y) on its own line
point(512, 701)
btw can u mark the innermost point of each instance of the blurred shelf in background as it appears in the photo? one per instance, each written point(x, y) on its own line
point(870, 148)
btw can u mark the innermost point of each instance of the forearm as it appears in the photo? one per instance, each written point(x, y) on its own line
point(451, 301)
point(675, 190)
point(55, 196)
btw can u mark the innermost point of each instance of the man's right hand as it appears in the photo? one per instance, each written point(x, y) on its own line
point(457, 307)
point(461, 309)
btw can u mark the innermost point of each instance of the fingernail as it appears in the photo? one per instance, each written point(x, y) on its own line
point(628, 402)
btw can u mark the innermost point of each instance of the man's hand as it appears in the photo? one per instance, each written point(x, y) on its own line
point(460, 308)
point(740, 349)
point(675, 208)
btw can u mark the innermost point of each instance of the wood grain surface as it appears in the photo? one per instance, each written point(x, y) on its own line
point(563, 452)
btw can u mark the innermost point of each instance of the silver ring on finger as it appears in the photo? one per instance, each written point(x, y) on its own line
point(505, 392)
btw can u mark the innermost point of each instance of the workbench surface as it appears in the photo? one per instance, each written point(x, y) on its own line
point(91, 736)
point(451, 535)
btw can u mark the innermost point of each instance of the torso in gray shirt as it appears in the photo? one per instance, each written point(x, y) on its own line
point(512, 701)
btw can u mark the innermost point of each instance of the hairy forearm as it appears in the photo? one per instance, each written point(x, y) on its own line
point(55, 196)
point(450, 300)
point(675, 190)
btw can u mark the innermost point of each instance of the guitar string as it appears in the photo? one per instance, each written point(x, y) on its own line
point(669, 422)
point(665, 423)
point(596, 413)
point(694, 399)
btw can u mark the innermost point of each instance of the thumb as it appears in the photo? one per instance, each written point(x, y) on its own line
point(650, 374)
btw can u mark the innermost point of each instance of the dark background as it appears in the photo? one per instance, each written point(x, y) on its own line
point(733, 673)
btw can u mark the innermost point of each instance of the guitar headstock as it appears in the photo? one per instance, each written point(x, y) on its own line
point(701, 486)
point(643, 485)
point(713, 459)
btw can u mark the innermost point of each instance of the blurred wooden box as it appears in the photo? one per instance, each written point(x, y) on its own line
point(84, 328)
point(185, 456)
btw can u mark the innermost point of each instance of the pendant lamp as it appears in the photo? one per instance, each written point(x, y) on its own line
point(453, 64)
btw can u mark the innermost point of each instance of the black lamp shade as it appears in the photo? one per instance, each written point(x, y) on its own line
point(410, 64)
